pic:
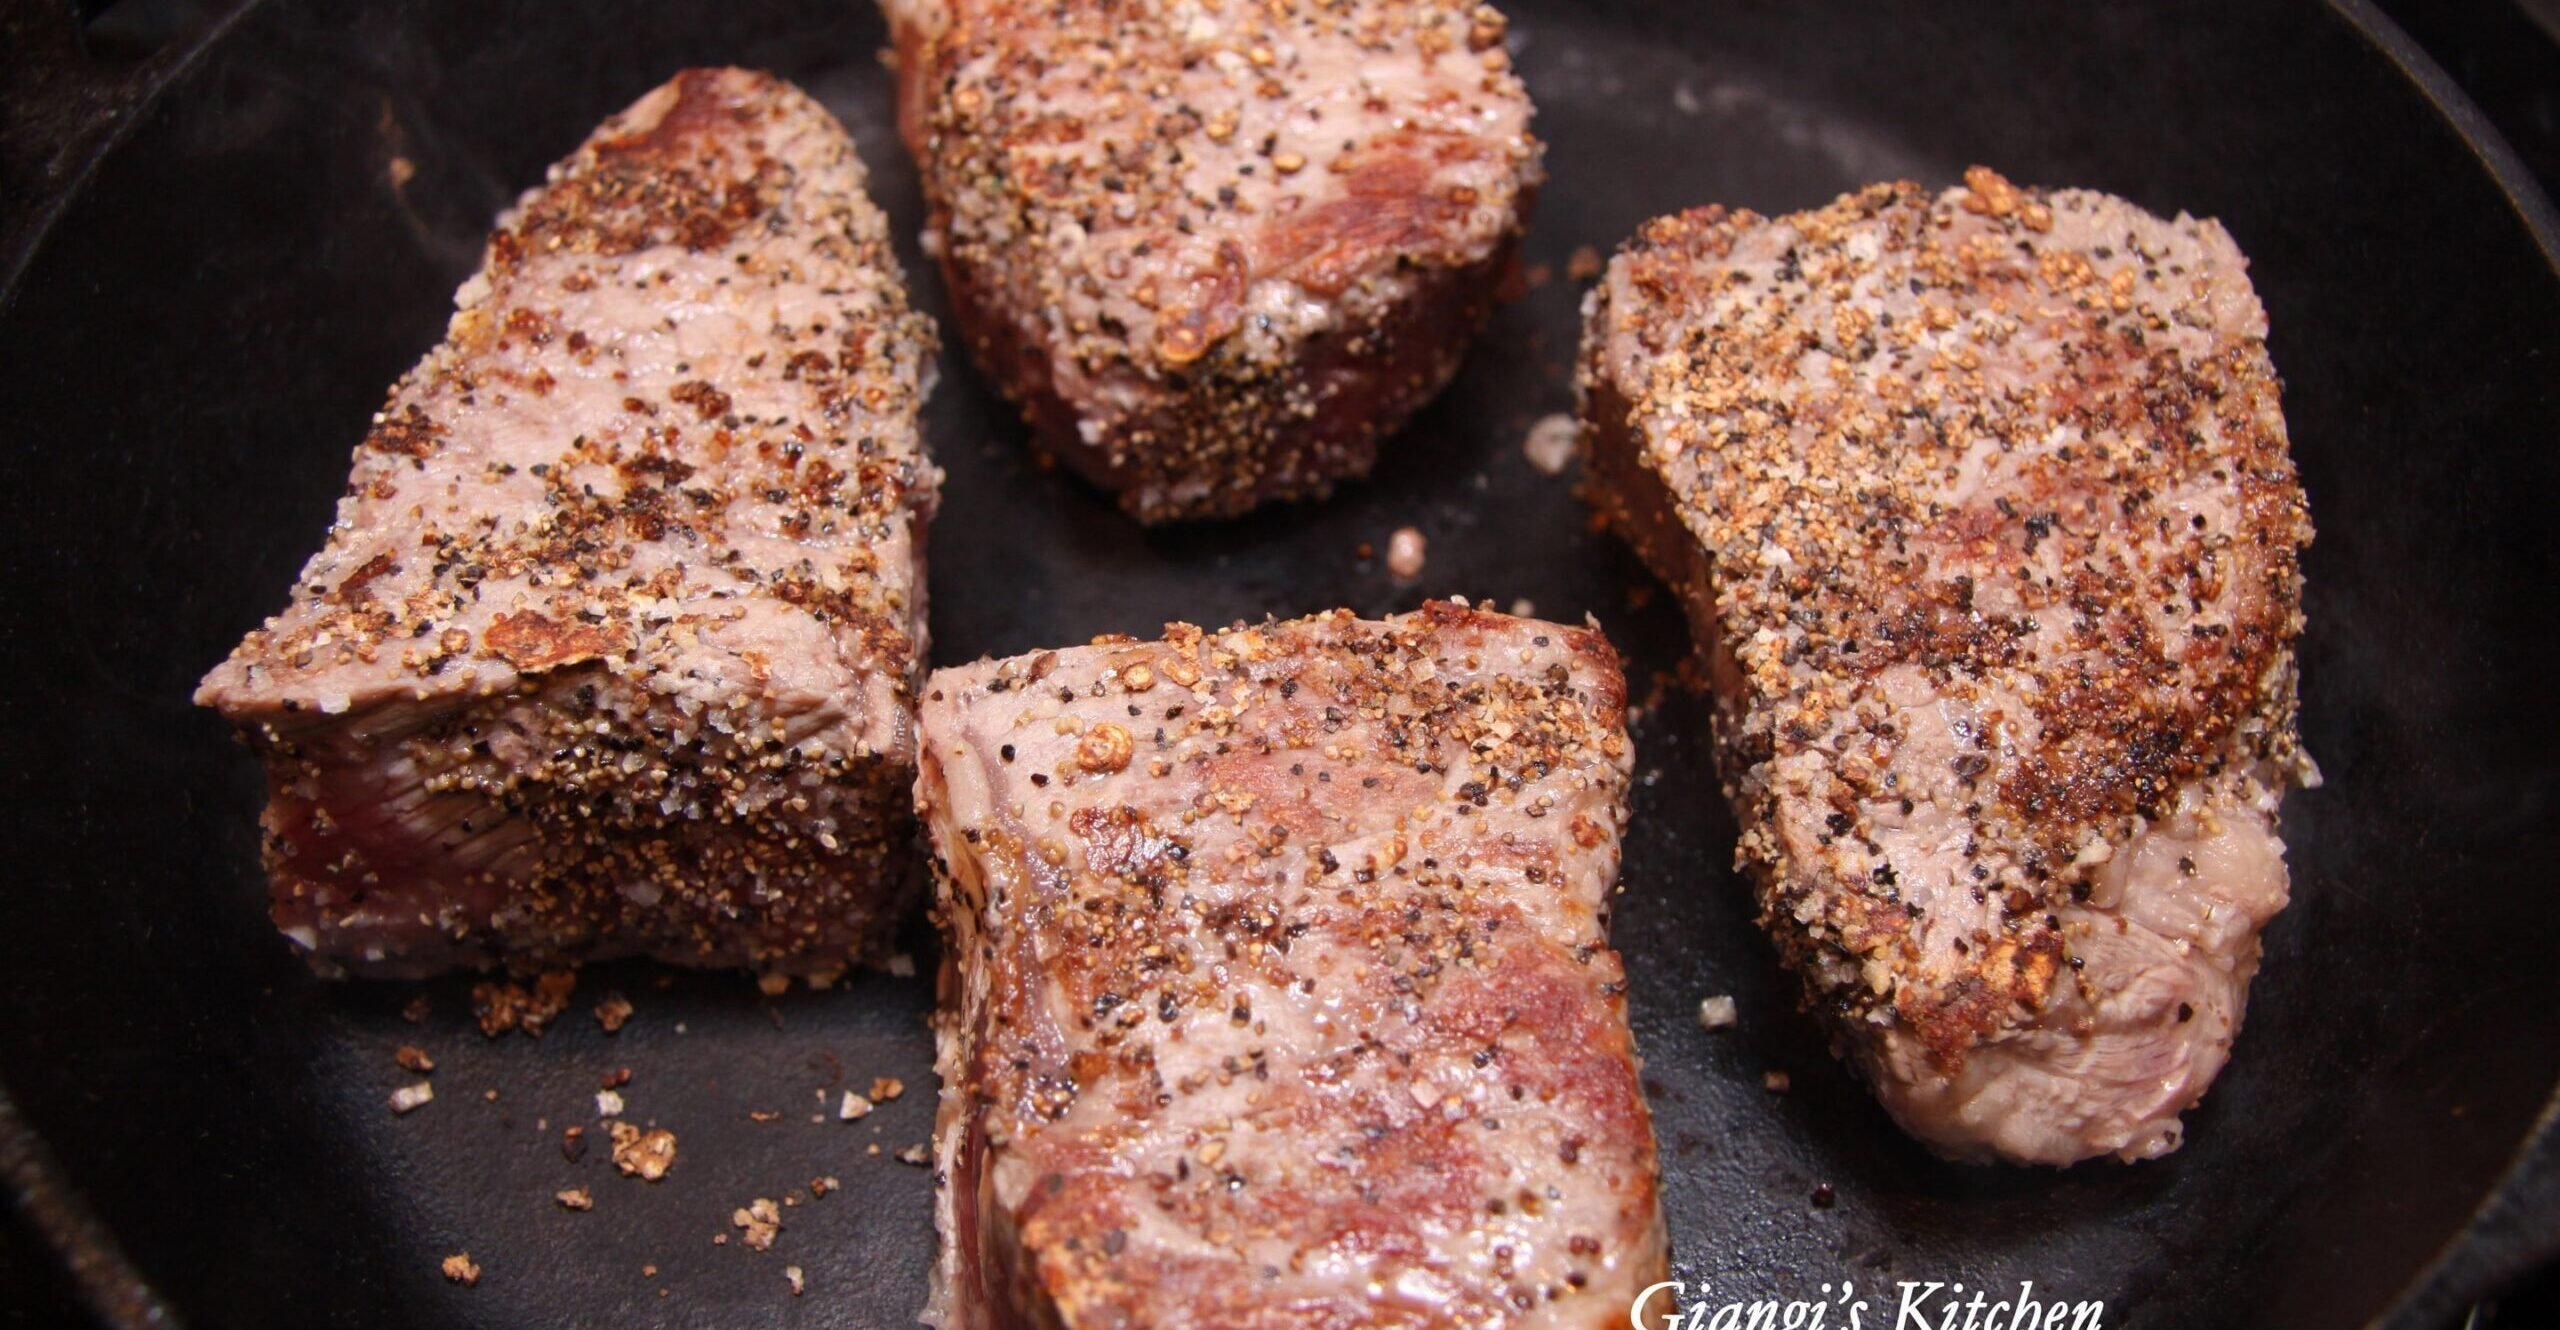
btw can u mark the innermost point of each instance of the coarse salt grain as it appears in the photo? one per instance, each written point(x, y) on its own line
point(1405, 551)
point(1551, 443)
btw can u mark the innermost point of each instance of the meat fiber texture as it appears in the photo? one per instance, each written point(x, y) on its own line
point(1216, 253)
point(1277, 989)
point(1983, 513)
point(613, 645)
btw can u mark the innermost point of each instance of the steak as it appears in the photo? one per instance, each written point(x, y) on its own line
point(1982, 511)
point(613, 644)
point(1216, 254)
point(1277, 988)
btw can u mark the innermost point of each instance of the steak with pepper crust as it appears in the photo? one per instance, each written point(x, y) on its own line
point(1216, 253)
point(1983, 513)
point(612, 647)
point(1277, 982)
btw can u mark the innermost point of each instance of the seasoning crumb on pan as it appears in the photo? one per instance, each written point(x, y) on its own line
point(886, 1088)
point(411, 1097)
point(773, 985)
point(792, 1273)
point(575, 1198)
point(1718, 1012)
point(761, 1221)
point(819, 1187)
point(1776, 1082)
point(1584, 264)
point(608, 1104)
point(414, 1011)
point(646, 1155)
point(573, 1144)
point(854, 1108)
point(1824, 1194)
point(918, 1155)
point(413, 1058)
point(507, 1006)
point(1551, 443)
point(613, 1012)
point(763, 1115)
point(461, 1269)
point(1405, 550)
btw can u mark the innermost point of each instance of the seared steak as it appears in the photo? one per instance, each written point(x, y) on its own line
point(1983, 514)
point(1216, 253)
point(612, 646)
point(1277, 985)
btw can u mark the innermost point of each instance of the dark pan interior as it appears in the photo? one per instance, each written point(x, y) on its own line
point(197, 345)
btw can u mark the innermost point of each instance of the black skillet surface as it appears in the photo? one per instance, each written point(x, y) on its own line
point(197, 343)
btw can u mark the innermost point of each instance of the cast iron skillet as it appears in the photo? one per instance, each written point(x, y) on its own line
point(192, 349)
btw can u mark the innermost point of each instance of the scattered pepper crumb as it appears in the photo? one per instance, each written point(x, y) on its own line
point(916, 1154)
point(762, 1221)
point(507, 1006)
point(414, 1011)
point(1583, 264)
point(575, 1198)
point(573, 1144)
point(613, 1012)
point(792, 1273)
point(608, 1104)
point(646, 1155)
point(413, 1058)
point(819, 1187)
point(409, 1098)
point(853, 1109)
point(886, 1088)
point(1776, 1082)
point(1718, 1012)
point(461, 1269)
